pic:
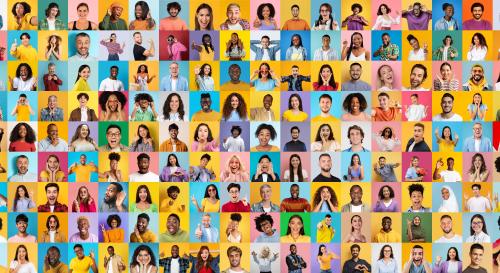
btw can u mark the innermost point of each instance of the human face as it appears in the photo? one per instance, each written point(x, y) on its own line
point(295, 12)
point(138, 38)
point(414, 44)
point(264, 71)
point(324, 12)
point(144, 104)
point(386, 74)
point(53, 256)
point(295, 71)
point(476, 191)
point(415, 162)
point(173, 12)
point(325, 193)
point(205, 104)
point(52, 69)
point(111, 192)
point(235, 102)
point(174, 70)
point(357, 40)
point(22, 131)
point(294, 101)
point(477, 12)
point(295, 161)
point(478, 162)
point(203, 162)
point(416, 77)
point(450, 162)
point(143, 165)
point(383, 101)
point(355, 105)
point(52, 194)
point(449, 11)
point(143, 132)
point(52, 132)
point(418, 254)
point(21, 226)
point(265, 193)
point(445, 194)
point(205, 221)
point(79, 252)
point(203, 133)
point(446, 105)
point(52, 223)
point(83, 159)
point(477, 224)
point(264, 137)
point(143, 194)
point(326, 73)
point(386, 133)
point(234, 164)
point(114, 223)
point(381, 162)
point(234, 194)
point(446, 225)
point(83, 193)
point(475, 39)
point(477, 74)
point(84, 131)
point(293, 249)
point(22, 165)
point(264, 42)
point(204, 254)
point(266, 227)
point(355, 137)
point(446, 132)
point(328, 221)
point(417, 10)
point(356, 222)
point(478, 130)
point(142, 225)
point(234, 258)
point(113, 102)
point(356, 194)
point(82, 11)
point(267, 102)
point(82, 45)
point(212, 191)
point(25, 40)
point(203, 18)
point(266, 12)
point(386, 192)
point(452, 254)
point(174, 251)
point(111, 251)
point(325, 163)
point(386, 39)
point(355, 252)
point(138, 11)
point(174, 104)
point(144, 256)
point(85, 73)
point(113, 135)
point(295, 225)
point(418, 133)
point(116, 12)
point(476, 256)
point(83, 100)
point(19, 9)
point(477, 98)
point(172, 225)
point(386, 224)
point(233, 14)
point(83, 227)
point(325, 41)
point(416, 199)
point(416, 221)
point(173, 133)
point(113, 72)
point(446, 72)
point(23, 72)
point(355, 72)
point(296, 40)
point(21, 192)
point(234, 73)
point(325, 132)
point(295, 134)
point(52, 102)
point(21, 253)
point(206, 70)
point(447, 41)
point(294, 191)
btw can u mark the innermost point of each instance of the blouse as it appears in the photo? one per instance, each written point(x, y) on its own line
point(141, 147)
point(22, 146)
point(290, 116)
point(381, 206)
point(81, 85)
point(482, 108)
point(385, 23)
point(390, 267)
point(209, 206)
point(417, 232)
point(23, 205)
point(477, 54)
point(152, 208)
point(205, 83)
point(417, 56)
point(209, 147)
point(24, 268)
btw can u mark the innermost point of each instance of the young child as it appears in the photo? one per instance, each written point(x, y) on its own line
point(23, 109)
point(234, 143)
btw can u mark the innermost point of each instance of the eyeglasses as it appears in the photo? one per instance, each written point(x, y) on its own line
point(477, 223)
point(234, 192)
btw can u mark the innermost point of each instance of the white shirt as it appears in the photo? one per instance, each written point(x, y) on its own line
point(265, 56)
point(455, 117)
point(147, 177)
point(497, 86)
point(78, 57)
point(237, 26)
point(111, 85)
point(174, 265)
point(27, 177)
point(24, 268)
point(478, 204)
point(234, 144)
point(453, 267)
point(173, 83)
point(479, 238)
point(110, 265)
point(21, 85)
point(454, 239)
point(477, 54)
point(477, 145)
point(418, 56)
point(416, 112)
point(52, 233)
point(450, 176)
point(445, 53)
point(52, 24)
point(356, 208)
point(84, 116)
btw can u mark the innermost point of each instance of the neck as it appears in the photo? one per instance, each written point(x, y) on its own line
point(235, 81)
point(356, 203)
point(449, 235)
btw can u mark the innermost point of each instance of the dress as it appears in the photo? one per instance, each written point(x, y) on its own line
point(143, 83)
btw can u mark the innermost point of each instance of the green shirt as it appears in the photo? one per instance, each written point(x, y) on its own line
point(106, 24)
point(180, 236)
point(144, 115)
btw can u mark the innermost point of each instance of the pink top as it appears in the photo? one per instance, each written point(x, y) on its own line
point(177, 49)
point(169, 23)
point(210, 147)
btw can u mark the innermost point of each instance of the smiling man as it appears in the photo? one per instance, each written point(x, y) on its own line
point(52, 205)
point(447, 113)
point(52, 143)
point(22, 235)
point(52, 262)
point(83, 235)
point(141, 232)
point(113, 136)
point(264, 113)
point(174, 233)
point(234, 254)
point(418, 75)
point(206, 113)
point(82, 44)
point(112, 83)
point(112, 20)
point(234, 84)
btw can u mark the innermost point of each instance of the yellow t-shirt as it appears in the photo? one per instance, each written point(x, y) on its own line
point(210, 116)
point(229, 86)
point(209, 207)
point(175, 207)
point(288, 115)
point(204, 56)
point(301, 239)
point(59, 175)
point(81, 85)
point(321, 119)
point(82, 172)
point(81, 266)
point(273, 149)
point(147, 237)
point(387, 237)
point(25, 54)
point(61, 267)
point(325, 261)
point(446, 146)
point(23, 113)
point(325, 234)
point(25, 23)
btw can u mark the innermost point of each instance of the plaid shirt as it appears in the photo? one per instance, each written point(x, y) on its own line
point(58, 207)
point(44, 24)
point(391, 49)
point(183, 264)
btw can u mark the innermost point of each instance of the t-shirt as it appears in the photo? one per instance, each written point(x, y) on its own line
point(81, 266)
point(83, 172)
point(474, 270)
point(111, 85)
point(450, 176)
point(139, 53)
point(203, 116)
point(235, 207)
point(322, 178)
point(454, 239)
point(455, 117)
point(146, 177)
point(478, 204)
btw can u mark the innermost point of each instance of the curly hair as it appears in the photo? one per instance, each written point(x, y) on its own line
point(269, 127)
point(143, 96)
point(346, 105)
point(483, 165)
point(260, 219)
point(241, 109)
point(30, 133)
point(26, 8)
point(58, 41)
point(114, 217)
point(202, 70)
point(381, 192)
point(261, 7)
point(482, 40)
point(333, 197)
point(104, 97)
point(28, 67)
point(167, 109)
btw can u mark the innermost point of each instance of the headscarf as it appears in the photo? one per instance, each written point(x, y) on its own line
point(450, 205)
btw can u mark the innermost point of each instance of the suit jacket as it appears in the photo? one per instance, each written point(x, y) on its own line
point(76, 115)
point(260, 114)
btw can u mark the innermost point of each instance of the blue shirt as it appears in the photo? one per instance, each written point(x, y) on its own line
point(263, 238)
point(45, 114)
point(259, 51)
point(358, 85)
point(443, 24)
point(264, 86)
point(484, 145)
point(166, 84)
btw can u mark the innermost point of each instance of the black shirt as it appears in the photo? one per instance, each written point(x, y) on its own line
point(295, 146)
point(419, 147)
point(139, 53)
point(322, 178)
point(350, 264)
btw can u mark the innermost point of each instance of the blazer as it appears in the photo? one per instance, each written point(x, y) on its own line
point(58, 238)
point(76, 115)
point(484, 145)
point(260, 114)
